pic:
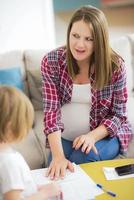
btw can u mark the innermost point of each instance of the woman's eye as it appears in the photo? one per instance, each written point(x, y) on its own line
point(89, 39)
point(76, 35)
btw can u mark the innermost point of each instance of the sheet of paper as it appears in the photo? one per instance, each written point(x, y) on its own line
point(111, 174)
point(75, 186)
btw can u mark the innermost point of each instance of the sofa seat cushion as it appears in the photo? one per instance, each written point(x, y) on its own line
point(130, 109)
point(38, 129)
point(130, 151)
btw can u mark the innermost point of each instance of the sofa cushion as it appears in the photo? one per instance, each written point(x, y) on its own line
point(38, 129)
point(30, 148)
point(10, 60)
point(123, 48)
point(33, 61)
point(130, 151)
point(131, 40)
point(35, 88)
point(11, 76)
point(130, 110)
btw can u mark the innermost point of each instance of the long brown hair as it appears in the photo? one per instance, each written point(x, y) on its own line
point(104, 59)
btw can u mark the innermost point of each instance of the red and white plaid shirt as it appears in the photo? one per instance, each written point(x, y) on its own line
point(108, 105)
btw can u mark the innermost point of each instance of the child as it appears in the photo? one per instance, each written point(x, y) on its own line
point(16, 118)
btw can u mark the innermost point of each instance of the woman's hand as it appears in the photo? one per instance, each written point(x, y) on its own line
point(58, 166)
point(86, 142)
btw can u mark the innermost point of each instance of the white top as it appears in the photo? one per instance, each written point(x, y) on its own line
point(15, 174)
point(75, 115)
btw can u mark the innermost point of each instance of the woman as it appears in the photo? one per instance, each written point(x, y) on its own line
point(84, 96)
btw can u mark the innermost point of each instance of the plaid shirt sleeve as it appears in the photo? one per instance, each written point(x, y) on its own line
point(119, 117)
point(51, 94)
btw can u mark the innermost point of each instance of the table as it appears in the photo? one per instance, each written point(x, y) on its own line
point(124, 188)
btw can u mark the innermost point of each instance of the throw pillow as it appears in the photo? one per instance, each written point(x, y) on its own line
point(12, 77)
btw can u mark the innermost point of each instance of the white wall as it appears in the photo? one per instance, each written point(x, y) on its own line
point(26, 24)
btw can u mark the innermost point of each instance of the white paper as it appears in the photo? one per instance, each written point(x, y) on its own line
point(111, 174)
point(75, 186)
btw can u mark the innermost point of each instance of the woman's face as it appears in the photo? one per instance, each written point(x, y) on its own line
point(81, 41)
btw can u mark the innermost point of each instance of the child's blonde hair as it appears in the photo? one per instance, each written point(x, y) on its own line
point(16, 112)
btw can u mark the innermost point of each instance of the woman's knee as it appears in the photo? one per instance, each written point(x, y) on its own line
point(110, 150)
point(107, 149)
point(77, 156)
point(80, 157)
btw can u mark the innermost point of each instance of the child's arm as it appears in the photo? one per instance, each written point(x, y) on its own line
point(45, 192)
point(13, 195)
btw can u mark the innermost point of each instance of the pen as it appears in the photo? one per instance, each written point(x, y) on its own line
point(105, 190)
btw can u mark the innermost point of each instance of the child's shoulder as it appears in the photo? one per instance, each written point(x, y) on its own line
point(10, 158)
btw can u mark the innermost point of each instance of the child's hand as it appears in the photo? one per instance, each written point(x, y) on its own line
point(51, 190)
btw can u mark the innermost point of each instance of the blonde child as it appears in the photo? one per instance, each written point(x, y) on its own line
point(16, 118)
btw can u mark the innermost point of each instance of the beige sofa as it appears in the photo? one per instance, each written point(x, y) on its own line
point(33, 146)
